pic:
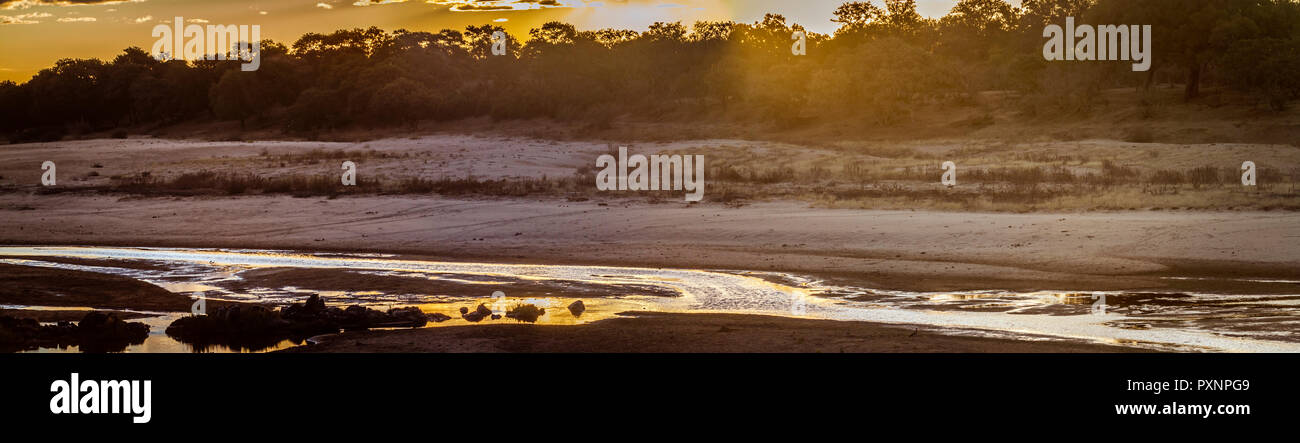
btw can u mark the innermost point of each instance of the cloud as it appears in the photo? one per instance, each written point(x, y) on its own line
point(76, 19)
point(324, 5)
point(197, 20)
point(22, 19)
point(24, 4)
point(144, 19)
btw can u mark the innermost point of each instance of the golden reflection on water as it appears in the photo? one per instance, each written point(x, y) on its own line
point(159, 343)
point(699, 290)
point(557, 311)
point(1067, 298)
point(183, 287)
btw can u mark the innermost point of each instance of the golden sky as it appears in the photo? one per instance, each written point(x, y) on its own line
point(35, 33)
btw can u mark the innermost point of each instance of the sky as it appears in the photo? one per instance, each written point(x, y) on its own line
point(36, 33)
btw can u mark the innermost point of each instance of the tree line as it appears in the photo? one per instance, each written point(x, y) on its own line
point(883, 61)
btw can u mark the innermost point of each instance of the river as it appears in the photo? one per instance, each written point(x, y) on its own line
point(1174, 320)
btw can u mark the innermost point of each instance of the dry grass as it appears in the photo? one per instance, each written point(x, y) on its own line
point(226, 183)
point(1005, 177)
point(992, 176)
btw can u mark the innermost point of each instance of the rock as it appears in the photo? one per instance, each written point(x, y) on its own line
point(313, 308)
point(249, 327)
point(356, 317)
point(255, 327)
point(97, 332)
point(18, 334)
point(314, 304)
point(496, 316)
point(577, 307)
point(100, 324)
point(479, 313)
point(410, 317)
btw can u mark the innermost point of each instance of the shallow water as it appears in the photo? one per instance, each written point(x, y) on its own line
point(1167, 321)
point(157, 342)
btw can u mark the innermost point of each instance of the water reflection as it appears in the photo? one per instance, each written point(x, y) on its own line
point(159, 342)
point(1176, 320)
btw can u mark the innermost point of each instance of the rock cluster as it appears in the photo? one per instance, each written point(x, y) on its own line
point(96, 332)
point(477, 315)
point(257, 327)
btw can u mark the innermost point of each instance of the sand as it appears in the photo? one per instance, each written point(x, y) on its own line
point(920, 249)
point(916, 250)
point(36, 286)
point(72, 315)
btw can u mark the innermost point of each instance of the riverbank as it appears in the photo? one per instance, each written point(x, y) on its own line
point(470, 199)
point(49, 287)
point(689, 333)
point(625, 332)
point(901, 250)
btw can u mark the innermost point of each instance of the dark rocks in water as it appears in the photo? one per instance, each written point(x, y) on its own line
point(496, 316)
point(249, 327)
point(528, 313)
point(438, 317)
point(96, 332)
point(312, 308)
point(408, 317)
point(19, 334)
point(359, 317)
point(479, 313)
point(256, 327)
point(314, 304)
point(576, 308)
point(102, 332)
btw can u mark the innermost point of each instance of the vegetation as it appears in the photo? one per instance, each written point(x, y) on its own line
point(992, 175)
point(882, 61)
